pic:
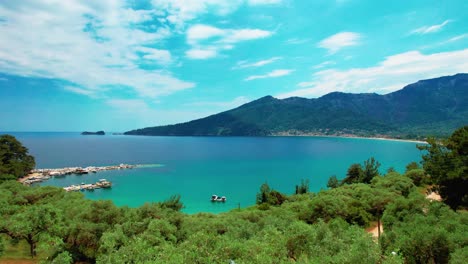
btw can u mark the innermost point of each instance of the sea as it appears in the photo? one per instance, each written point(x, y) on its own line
point(198, 167)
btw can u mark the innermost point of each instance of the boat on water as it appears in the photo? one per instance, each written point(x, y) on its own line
point(103, 183)
point(216, 198)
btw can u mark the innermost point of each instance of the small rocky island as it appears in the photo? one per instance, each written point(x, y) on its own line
point(100, 133)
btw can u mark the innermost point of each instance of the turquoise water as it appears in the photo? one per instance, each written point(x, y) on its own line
point(197, 167)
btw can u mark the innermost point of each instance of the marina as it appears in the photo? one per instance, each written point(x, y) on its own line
point(40, 175)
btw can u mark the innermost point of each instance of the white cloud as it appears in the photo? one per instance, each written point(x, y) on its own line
point(78, 90)
point(391, 74)
point(179, 12)
point(207, 41)
point(201, 54)
point(201, 32)
point(430, 29)
point(339, 41)
point(457, 38)
point(246, 64)
point(324, 64)
point(445, 42)
point(160, 56)
point(93, 45)
point(272, 74)
point(234, 36)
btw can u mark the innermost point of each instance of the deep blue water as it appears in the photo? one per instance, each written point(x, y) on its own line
point(197, 167)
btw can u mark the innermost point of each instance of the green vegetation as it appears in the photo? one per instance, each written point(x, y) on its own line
point(361, 174)
point(14, 159)
point(324, 227)
point(401, 114)
point(447, 164)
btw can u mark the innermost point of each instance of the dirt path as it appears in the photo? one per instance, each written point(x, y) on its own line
point(434, 196)
point(374, 231)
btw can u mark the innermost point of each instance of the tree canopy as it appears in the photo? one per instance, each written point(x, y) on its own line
point(446, 162)
point(15, 162)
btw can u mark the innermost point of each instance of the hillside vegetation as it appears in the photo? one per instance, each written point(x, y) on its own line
point(432, 107)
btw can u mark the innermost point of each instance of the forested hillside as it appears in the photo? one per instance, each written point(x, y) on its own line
point(432, 107)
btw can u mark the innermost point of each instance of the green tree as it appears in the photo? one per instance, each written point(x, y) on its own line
point(371, 169)
point(412, 166)
point(303, 187)
point(14, 158)
point(418, 176)
point(31, 224)
point(447, 164)
point(333, 182)
point(268, 196)
point(63, 258)
point(173, 203)
point(262, 196)
point(354, 174)
point(362, 174)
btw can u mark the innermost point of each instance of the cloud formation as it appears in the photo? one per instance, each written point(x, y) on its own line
point(390, 75)
point(93, 45)
point(272, 74)
point(339, 41)
point(179, 12)
point(430, 29)
point(207, 41)
point(260, 63)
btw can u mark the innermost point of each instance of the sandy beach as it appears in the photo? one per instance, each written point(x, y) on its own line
point(347, 136)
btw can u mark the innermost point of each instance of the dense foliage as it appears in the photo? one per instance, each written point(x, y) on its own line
point(324, 227)
point(327, 227)
point(404, 113)
point(15, 162)
point(447, 164)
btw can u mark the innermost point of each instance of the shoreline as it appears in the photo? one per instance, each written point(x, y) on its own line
point(288, 134)
point(381, 138)
point(350, 136)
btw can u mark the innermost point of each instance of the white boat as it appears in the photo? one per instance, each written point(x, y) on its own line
point(216, 198)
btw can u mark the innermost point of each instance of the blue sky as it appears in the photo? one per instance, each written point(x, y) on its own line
point(118, 65)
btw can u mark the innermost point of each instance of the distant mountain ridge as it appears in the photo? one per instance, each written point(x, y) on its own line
point(428, 107)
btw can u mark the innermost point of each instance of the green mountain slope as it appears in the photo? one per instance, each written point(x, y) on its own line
point(428, 107)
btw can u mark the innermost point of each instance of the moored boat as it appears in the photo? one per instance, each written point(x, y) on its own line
point(216, 198)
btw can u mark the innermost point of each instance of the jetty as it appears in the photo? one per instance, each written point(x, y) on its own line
point(40, 175)
point(102, 183)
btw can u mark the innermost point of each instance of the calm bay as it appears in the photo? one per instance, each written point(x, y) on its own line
point(197, 167)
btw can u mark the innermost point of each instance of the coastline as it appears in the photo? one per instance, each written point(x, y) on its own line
point(347, 136)
point(293, 134)
point(383, 138)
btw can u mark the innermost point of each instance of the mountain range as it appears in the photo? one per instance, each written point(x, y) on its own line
point(433, 107)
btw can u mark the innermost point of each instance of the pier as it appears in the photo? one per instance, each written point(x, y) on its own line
point(40, 175)
point(102, 183)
